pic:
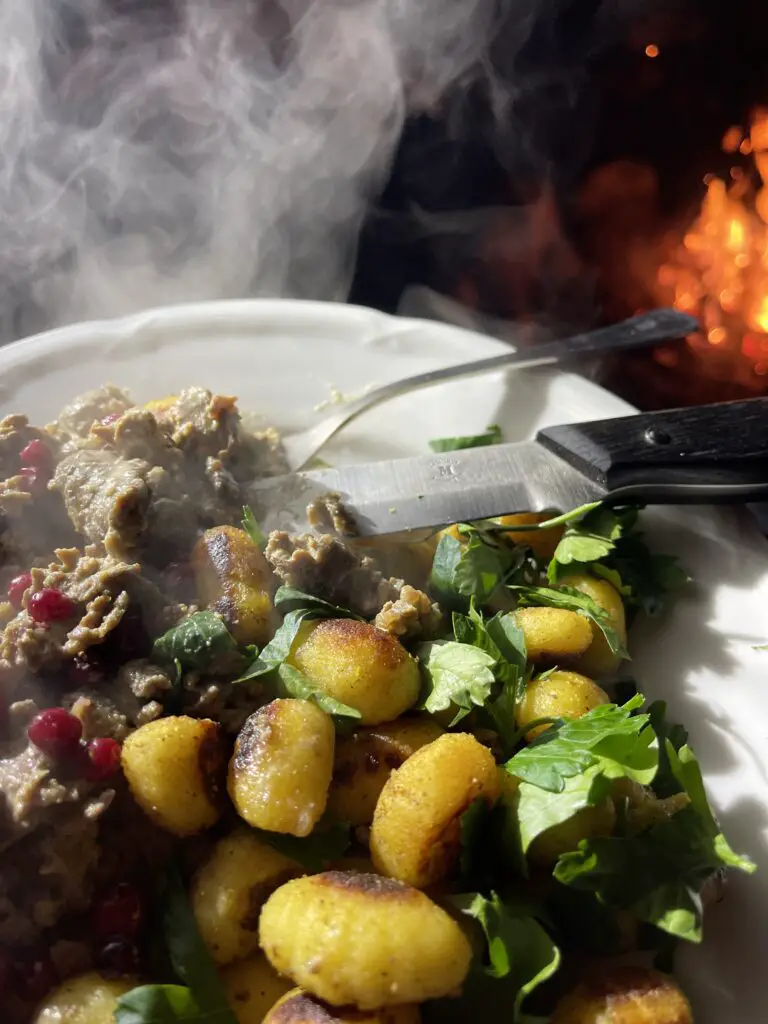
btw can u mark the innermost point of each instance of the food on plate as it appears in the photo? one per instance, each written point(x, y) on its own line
point(281, 767)
point(411, 778)
point(369, 941)
point(416, 829)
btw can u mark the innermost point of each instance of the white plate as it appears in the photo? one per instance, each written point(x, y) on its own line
point(281, 359)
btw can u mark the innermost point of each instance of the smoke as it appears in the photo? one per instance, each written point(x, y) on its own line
point(154, 152)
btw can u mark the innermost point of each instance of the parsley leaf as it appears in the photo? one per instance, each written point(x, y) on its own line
point(252, 528)
point(456, 675)
point(196, 642)
point(297, 607)
point(315, 851)
point(502, 639)
point(607, 541)
point(158, 1004)
point(475, 568)
point(203, 1000)
point(520, 952)
point(573, 600)
point(610, 736)
point(293, 683)
point(492, 435)
point(658, 874)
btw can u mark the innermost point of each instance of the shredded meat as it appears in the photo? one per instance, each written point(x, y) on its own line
point(328, 515)
point(76, 419)
point(412, 614)
point(326, 567)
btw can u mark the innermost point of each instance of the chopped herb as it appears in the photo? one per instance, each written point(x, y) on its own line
point(293, 683)
point(573, 600)
point(297, 607)
point(620, 742)
point(473, 569)
point(203, 1000)
point(315, 851)
point(520, 954)
point(455, 675)
point(491, 436)
point(252, 528)
point(196, 642)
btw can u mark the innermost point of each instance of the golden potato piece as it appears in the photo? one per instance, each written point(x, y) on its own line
point(363, 940)
point(599, 660)
point(365, 760)
point(558, 695)
point(174, 768)
point(624, 995)
point(416, 830)
point(252, 986)
point(229, 889)
point(281, 768)
point(234, 579)
point(86, 999)
point(297, 1007)
point(552, 634)
point(359, 665)
point(542, 542)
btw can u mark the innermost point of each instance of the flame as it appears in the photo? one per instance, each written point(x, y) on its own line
point(719, 272)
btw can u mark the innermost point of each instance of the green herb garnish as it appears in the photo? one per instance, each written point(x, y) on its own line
point(491, 436)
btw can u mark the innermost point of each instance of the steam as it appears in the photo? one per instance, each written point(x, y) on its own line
point(154, 152)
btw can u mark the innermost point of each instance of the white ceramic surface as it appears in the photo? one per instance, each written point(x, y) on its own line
point(281, 359)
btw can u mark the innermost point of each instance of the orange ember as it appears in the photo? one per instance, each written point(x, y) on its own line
point(719, 273)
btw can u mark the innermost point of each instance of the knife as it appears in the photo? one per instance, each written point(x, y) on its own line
point(696, 455)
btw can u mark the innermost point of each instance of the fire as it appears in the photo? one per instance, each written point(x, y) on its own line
point(719, 273)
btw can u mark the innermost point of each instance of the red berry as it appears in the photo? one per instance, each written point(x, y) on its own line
point(38, 455)
point(104, 757)
point(118, 914)
point(56, 732)
point(17, 587)
point(50, 605)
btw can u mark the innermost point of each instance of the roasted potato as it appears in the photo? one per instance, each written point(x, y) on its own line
point(363, 940)
point(365, 760)
point(553, 634)
point(359, 665)
point(86, 999)
point(624, 995)
point(416, 829)
point(297, 1007)
point(174, 767)
point(599, 660)
point(234, 579)
point(229, 889)
point(251, 987)
point(282, 765)
point(541, 542)
point(558, 695)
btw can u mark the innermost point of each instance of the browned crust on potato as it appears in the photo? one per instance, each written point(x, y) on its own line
point(389, 652)
point(370, 884)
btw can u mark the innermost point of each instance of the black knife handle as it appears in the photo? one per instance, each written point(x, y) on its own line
point(706, 453)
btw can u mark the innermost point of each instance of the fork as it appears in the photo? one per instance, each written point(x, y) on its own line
point(644, 329)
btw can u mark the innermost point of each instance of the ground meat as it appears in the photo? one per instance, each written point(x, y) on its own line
point(328, 515)
point(47, 875)
point(144, 680)
point(15, 434)
point(412, 615)
point(325, 566)
point(103, 590)
point(107, 498)
point(77, 418)
point(200, 422)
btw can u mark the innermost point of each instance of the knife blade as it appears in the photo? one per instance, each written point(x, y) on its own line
point(694, 455)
